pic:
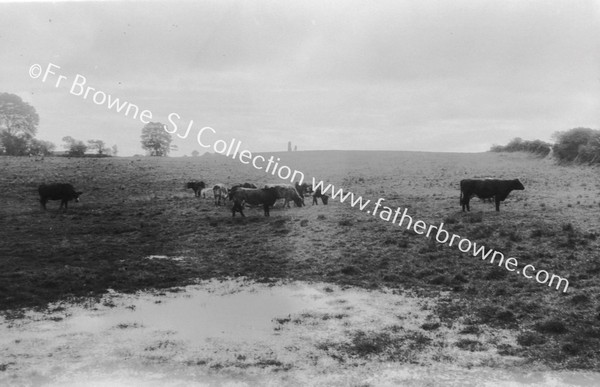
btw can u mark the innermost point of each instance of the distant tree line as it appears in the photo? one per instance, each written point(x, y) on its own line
point(578, 145)
point(18, 126)
point(517, 144)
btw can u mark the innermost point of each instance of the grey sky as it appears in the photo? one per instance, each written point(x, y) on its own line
point(389, 75)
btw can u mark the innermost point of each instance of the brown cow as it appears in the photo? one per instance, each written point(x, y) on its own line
point(265, 196)
point(288, 193)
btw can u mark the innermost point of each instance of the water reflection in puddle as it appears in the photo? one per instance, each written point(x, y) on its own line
point(242, 333)
point(216, 310)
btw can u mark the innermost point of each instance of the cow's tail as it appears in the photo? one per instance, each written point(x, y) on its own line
point(460, 199)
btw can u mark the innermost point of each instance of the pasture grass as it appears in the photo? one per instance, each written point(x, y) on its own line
point(136, 207)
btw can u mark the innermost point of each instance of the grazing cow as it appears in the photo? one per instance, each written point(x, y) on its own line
point(317, 194)
point(287, 192)
point(265, 196)
point(304, 189)
point(487, 188)
point(221, 192)
point(245, 185)
point(197, 186)
point(59, 191)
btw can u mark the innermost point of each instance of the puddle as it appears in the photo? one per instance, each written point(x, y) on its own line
point(242, 333)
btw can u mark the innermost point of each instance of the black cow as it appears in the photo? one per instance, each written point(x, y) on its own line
point(488, 188)
point(265, 196)
point(59, 191)
point(197, 186)
point(318, 194)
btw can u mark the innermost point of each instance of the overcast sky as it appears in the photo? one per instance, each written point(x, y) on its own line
point(370, 75)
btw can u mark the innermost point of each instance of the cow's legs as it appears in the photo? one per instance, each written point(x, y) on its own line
point(497, 203)
point(237, 207)
point(266, 207)
point(43, 203)
point(465, 203)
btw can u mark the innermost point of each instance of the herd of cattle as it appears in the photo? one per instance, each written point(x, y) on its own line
point(247, 193)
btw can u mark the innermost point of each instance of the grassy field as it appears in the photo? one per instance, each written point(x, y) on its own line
point(136, 207)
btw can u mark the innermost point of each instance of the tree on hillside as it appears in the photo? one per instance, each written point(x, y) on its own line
point(99, 146)
point(115, 150)
point(18, 124)
point(13, 144)
point(155, 140)
point(40, 147)
point(16, 116)
point(578, 144)
point(195, 153)
point(289, 146)
point(76, 148)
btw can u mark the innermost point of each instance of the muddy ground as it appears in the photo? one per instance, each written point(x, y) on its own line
point(133, 208)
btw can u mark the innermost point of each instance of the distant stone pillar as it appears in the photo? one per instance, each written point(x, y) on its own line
point(295, 148)
point(289, 146)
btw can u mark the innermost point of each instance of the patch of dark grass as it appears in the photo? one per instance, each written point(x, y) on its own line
point(350, 270)
point(507, 350)
point(470, 345)
point(386, 345)
point(282, 321)
point(475, 217)
point(439, 279)
point(481, 232)
point(537, 233)
point(364, 344)
point(470, 330)
point(568, 227)
point(459, 278)
point(529, 338)
point(496, 273)
point(430, 326)
point(580, 299)
point(345, 222)
point(515, 236)
point(551, 326)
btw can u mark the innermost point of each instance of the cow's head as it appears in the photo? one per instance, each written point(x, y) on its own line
point(232, 191)
point(76, 196)
point(299, 201)
point(517, 185)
